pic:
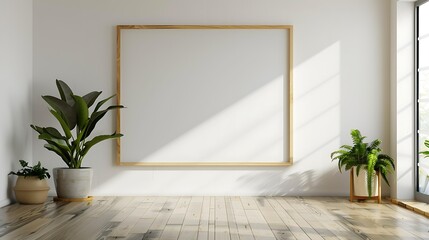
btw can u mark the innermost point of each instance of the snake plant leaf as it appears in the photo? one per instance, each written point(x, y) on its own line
point(63, 124)
point(67, 112)
point(81, 109)
point(98, 139)
point(65, 92)
point(91, 97)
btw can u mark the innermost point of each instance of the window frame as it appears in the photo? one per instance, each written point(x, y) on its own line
point(418, 195)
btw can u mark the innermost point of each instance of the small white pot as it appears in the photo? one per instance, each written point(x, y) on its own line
point(360, 183)
point(72, 183)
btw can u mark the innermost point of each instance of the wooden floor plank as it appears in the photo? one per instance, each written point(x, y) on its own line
point(128, 223)
point(212, 219)
point(232, 223)
point(203, 226)
point(221, 220)
point(26, 230)
point(278, 227)
point(243, 226)
point(293, 227)
point(171, 232)
point(209, 218)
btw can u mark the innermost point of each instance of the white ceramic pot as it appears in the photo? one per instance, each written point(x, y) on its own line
point(360, 183)
point(31, 190)
point(72, 183)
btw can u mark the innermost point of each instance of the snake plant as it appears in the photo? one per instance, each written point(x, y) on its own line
point(364, 155)
point(73, 112)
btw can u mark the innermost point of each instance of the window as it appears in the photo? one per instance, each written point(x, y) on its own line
point(422, 95)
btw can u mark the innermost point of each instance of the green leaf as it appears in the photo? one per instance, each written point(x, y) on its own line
point(97, 116)
point(374, 145)
point(98, 139)
point(82, 112)
point(23, 163)
point(426, 143)
point(91, 97)
point(67, 113)
point(356, 136)
point(65, 92)
point(59, 153)
point(372, 159)
point(63, 124)
point(99, 104)
point(37, 129)
point(54, 133)
point(425, 153)
point(60, 143)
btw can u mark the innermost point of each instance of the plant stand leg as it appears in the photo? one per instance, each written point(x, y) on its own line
point(351, 186)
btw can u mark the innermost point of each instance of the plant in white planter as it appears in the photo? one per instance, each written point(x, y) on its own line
point(31, 186)
point(364, 156)
point(73, 112)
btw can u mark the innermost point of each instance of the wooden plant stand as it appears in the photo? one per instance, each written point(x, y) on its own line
point(352, 189)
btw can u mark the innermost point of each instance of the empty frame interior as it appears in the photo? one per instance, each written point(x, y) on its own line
point(204, 95)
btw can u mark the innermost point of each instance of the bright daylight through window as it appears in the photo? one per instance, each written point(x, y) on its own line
point(422, 84)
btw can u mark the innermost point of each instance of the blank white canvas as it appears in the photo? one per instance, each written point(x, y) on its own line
point(204, 95)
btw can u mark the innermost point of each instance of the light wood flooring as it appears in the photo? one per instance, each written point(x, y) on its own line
point(217, 218)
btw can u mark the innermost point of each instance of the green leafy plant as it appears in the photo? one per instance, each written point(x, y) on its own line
point(364, 155)
point(35, 171)
point(425, 153)
point(72, 112)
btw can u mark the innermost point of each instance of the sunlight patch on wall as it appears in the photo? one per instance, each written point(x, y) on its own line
point(317, 105)
point(248, 129)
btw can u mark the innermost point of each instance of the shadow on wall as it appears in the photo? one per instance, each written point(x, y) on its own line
point(19, 135)
point(307, 183)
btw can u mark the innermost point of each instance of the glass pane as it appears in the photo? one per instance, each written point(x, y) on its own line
point(424, 117)
point(424, 52)
point(424, 85)
point(423, 20)
point(423, 166)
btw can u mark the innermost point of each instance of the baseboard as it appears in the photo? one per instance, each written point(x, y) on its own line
point(415, 206)
point(5, 202)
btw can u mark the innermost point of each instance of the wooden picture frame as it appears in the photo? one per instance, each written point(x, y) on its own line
point(122, 77)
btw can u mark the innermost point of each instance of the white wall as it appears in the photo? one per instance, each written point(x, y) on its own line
point(341, 81)
point(16, 78)
point(402, 99)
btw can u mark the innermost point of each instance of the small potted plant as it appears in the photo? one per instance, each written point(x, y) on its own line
point(31, 186)
point(364, 157)
point(72, 144)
